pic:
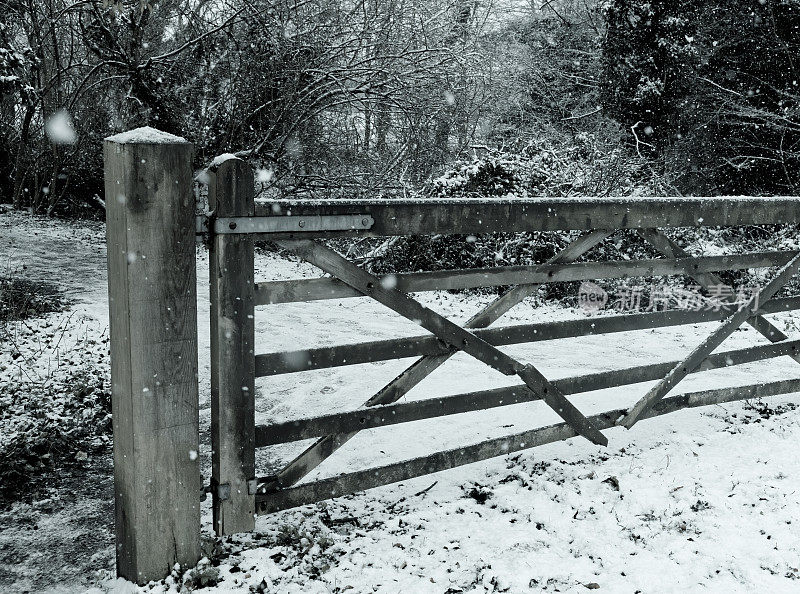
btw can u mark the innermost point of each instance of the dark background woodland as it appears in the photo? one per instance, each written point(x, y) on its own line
point(408, 97)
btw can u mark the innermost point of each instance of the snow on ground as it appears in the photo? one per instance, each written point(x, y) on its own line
point(697, 502)
point(705, 498)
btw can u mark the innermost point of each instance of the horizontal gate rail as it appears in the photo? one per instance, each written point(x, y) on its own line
point(354, 482)
point(465, 215)
point(278, 363)
point(291, 291)
point(392, 414)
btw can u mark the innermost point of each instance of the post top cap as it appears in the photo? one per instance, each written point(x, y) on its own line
point(146, 135)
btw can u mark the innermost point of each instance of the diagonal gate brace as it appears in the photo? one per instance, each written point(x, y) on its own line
point(324, 447)
point(444, 329)
point(670, 249)
point(716, 338)
point(424, 366)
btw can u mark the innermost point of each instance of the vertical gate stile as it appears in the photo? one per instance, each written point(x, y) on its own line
point(231, 272)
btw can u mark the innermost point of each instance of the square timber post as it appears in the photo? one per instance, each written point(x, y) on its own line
point(152, 289)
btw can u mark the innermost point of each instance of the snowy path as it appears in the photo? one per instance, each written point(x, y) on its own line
point(70, 254)
point(696, 489)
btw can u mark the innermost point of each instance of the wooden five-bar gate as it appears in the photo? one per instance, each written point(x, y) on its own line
point(151, 233)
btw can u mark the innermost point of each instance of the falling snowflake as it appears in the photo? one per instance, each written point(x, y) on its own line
point(59, 128)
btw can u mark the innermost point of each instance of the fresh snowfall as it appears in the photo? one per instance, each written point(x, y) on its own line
point(704, 500)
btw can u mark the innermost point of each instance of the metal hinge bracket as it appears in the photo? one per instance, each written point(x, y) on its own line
point(223, 491)
point(283, 224)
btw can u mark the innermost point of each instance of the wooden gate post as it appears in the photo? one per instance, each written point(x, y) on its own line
point(150, 228)
point(233, 482)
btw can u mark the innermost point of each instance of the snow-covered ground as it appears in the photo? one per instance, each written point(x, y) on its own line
point(702, 499)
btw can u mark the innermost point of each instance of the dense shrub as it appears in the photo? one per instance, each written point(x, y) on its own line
point(576, 168)
point(711, 87)
point(583, 164)
point(55, 400)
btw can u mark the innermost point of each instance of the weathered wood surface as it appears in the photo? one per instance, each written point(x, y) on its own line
point(344, 484)
point(398, 348)
point(454, 335)
point(392, 414)
point(153, 323)
point(316, 453)
point(672, 250)
point(716, 338)
point(230, 193)
point(291, 291)
point(423, 217)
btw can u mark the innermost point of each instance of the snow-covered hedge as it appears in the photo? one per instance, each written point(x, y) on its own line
point(585, 164)
point(47, 425)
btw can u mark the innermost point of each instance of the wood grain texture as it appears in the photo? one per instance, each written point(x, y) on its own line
point(232, 359)
point(153, 324)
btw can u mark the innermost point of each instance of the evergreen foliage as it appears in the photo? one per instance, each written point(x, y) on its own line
point(711, 87)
